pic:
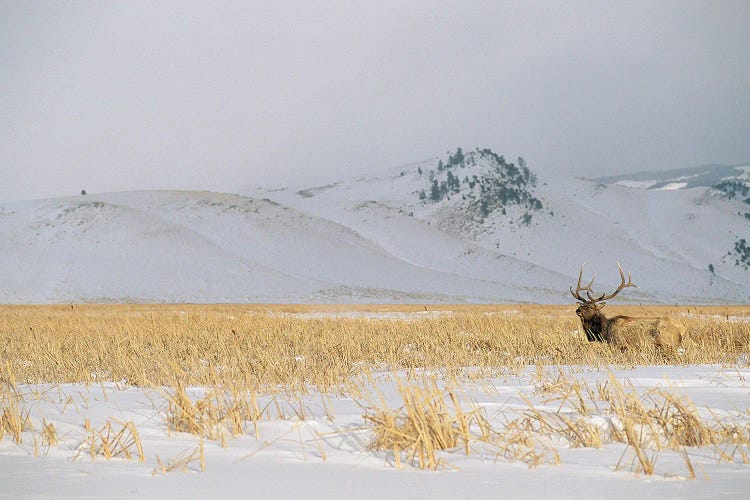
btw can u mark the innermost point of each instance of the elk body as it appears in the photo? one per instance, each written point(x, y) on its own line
point(623, 331)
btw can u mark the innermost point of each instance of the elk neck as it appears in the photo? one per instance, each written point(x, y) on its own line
point(594, 327)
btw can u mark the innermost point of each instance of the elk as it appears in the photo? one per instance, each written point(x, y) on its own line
point(622, 331)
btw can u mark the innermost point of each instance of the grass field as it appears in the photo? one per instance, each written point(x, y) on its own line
point(201, 387)
point(149, 345)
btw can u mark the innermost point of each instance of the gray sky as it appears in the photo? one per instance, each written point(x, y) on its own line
point(112, 96)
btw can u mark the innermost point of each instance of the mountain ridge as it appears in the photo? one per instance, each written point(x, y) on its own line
point(372, 239)
point(700, 176)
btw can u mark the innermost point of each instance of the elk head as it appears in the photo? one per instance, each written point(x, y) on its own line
point(589, 308)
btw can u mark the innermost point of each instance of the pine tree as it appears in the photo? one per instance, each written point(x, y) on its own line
point(435, 191)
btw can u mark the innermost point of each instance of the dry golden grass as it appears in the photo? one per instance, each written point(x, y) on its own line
point(648, 423)
point(656, 421)
point(212, 345)
point(214, 415)
point(49, 434)
point(425, 423)
point(111, 443)
point(182, 462)
point(14, 417)
point(237, 353)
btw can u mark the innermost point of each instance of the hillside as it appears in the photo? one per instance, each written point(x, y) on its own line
point(675, 242)
point(729, 182)
point(467, 227)
point(213, 247)
point(681, 178)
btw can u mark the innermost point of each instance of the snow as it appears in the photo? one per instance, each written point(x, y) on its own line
point(666, 239)
point(636, 184)
point(392, 315)
point(692, 177)
point(716, 317)
point(327, 453)
point(673, 185)
point(368, 240)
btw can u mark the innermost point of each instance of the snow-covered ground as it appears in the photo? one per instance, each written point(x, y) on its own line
point(666, 238)
point(318, 446)
point(369, 240)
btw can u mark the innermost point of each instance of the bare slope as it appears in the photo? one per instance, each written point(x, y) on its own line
point(669, 239)
point(212, 247)
point(477, 229)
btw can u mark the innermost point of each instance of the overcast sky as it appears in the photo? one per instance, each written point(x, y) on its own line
point(112, 96)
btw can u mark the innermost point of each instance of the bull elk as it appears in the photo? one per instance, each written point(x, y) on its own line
point(622, 331)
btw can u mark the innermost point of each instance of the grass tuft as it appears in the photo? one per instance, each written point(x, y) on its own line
point(431, 419)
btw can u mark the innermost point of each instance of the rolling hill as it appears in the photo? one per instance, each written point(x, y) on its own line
point(469, 227)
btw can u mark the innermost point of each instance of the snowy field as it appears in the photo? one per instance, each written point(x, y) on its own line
point(338, 401)
point(318, 445)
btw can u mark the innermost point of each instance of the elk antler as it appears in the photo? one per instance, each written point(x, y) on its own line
point(620, 288)
point(577, 295)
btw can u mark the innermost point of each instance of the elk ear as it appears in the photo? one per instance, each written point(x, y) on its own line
point(601, 305)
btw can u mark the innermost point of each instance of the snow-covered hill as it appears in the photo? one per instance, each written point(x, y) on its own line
point(213, 247)
point(682, 178)
point(676, 243)
point(377, 239)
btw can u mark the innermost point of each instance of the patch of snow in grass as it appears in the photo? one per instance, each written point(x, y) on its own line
point(316, 445)
point(718, 317)
point(394, 315)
